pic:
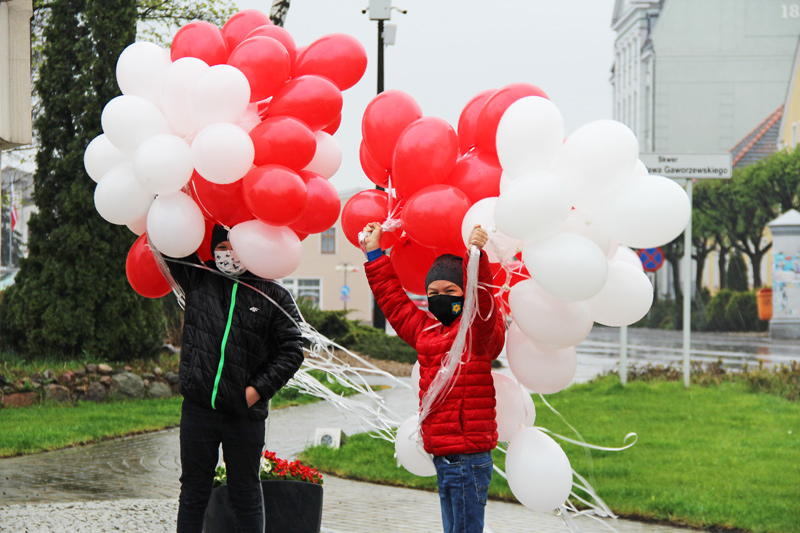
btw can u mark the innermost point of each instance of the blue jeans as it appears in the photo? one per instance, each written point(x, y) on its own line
point(202, 431)
point(463, 489)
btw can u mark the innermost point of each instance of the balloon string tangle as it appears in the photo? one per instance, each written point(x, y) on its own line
point(369, 408)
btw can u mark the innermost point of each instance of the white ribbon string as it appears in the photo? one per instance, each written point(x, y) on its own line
point(459, 352)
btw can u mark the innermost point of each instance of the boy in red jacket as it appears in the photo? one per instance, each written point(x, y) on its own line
point(460, 431)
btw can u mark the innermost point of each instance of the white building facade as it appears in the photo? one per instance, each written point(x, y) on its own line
point(697, 76)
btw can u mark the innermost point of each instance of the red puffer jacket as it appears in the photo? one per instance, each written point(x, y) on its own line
point(465, 421)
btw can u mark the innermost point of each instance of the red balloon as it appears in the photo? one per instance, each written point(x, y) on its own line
point(425, 153)
point(204, 250)
point(385, 118)
point(264, 62)
point(313, 99)
point(361, 209)
point(376, 173)
point(411, 262)
point(493, 109)
point(477, 174)
point(224, 204)
point(143, 273)
point(283, 141)
point(468, 120)
point(280, 35)
point(339, 57)
point(301, 236)
point(323, 207)
point(333, 127)
point(275, 194)
point(240, 24)
point(433, 216)
point(199, 39)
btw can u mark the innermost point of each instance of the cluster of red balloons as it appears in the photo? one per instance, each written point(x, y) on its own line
point(433, 175)
point(295, 105)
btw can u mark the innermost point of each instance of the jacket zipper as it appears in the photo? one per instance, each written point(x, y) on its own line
point(222, 349)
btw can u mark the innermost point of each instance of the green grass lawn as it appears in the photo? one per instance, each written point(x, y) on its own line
point(46, 427)
point(716, 457)
point(49, 427)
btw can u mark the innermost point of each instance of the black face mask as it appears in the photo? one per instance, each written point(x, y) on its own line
point(445, 307)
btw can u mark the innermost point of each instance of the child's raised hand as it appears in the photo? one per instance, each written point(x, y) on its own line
point(373, 239)
point(478, 237)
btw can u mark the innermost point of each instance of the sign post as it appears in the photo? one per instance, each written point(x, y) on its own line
point(688, 167)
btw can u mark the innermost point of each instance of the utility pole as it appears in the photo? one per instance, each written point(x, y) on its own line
point(381, 11)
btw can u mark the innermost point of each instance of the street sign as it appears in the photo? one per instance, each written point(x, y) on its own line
point(652, 259)
point(345, 291)
point(693, 166)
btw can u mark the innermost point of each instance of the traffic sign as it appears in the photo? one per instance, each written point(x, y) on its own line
point(345, 291)
point(652, 258)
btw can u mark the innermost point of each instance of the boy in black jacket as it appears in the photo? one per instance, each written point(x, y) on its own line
point(238, 349)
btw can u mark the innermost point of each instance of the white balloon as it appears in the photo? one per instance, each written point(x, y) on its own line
point(567, 265)
point(542, 369)
point(179, 79)
point(538, 470)
point(220, 94)
point(415, 376)
point(500, 247)
point(138, 227)
point(163, 164)
point(222, 153)
point(583, 224)
point(514, 407)
point(532, 207)
point(175, 225)
point(101, 156)
point(647, 212)
point(626, 255)
point(505, 182)
point(596, 159)
point(140, 70)
point(129, 120)
point(529, 135)
point(548, 319)
point(626, 297)
point(119, 198)
point(271, 252)
point(639, 169)
point(328, 156)
point(409, 451)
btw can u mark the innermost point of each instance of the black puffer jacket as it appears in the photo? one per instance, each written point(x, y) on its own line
point(233, 337)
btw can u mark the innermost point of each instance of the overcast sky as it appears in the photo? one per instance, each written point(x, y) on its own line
point(449, 50)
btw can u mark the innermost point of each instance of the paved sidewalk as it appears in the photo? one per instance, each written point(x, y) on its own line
point(349, 507)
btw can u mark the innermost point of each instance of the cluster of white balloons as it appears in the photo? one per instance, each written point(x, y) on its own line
point(574, 208)
point(174, 118)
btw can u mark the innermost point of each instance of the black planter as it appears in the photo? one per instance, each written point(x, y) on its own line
point(289, 507)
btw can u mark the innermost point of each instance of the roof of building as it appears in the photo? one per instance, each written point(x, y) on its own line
point(759, 143)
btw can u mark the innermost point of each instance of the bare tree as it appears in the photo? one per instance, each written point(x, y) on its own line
point(278, 12)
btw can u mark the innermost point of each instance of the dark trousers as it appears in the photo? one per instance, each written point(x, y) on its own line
point(202, 432)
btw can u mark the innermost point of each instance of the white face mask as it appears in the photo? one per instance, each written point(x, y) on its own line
point(228, 263)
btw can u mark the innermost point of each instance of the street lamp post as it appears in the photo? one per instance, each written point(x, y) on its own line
point(380, 11)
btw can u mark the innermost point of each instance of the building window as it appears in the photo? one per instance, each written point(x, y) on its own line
point(328, 241)
point(308, 289)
